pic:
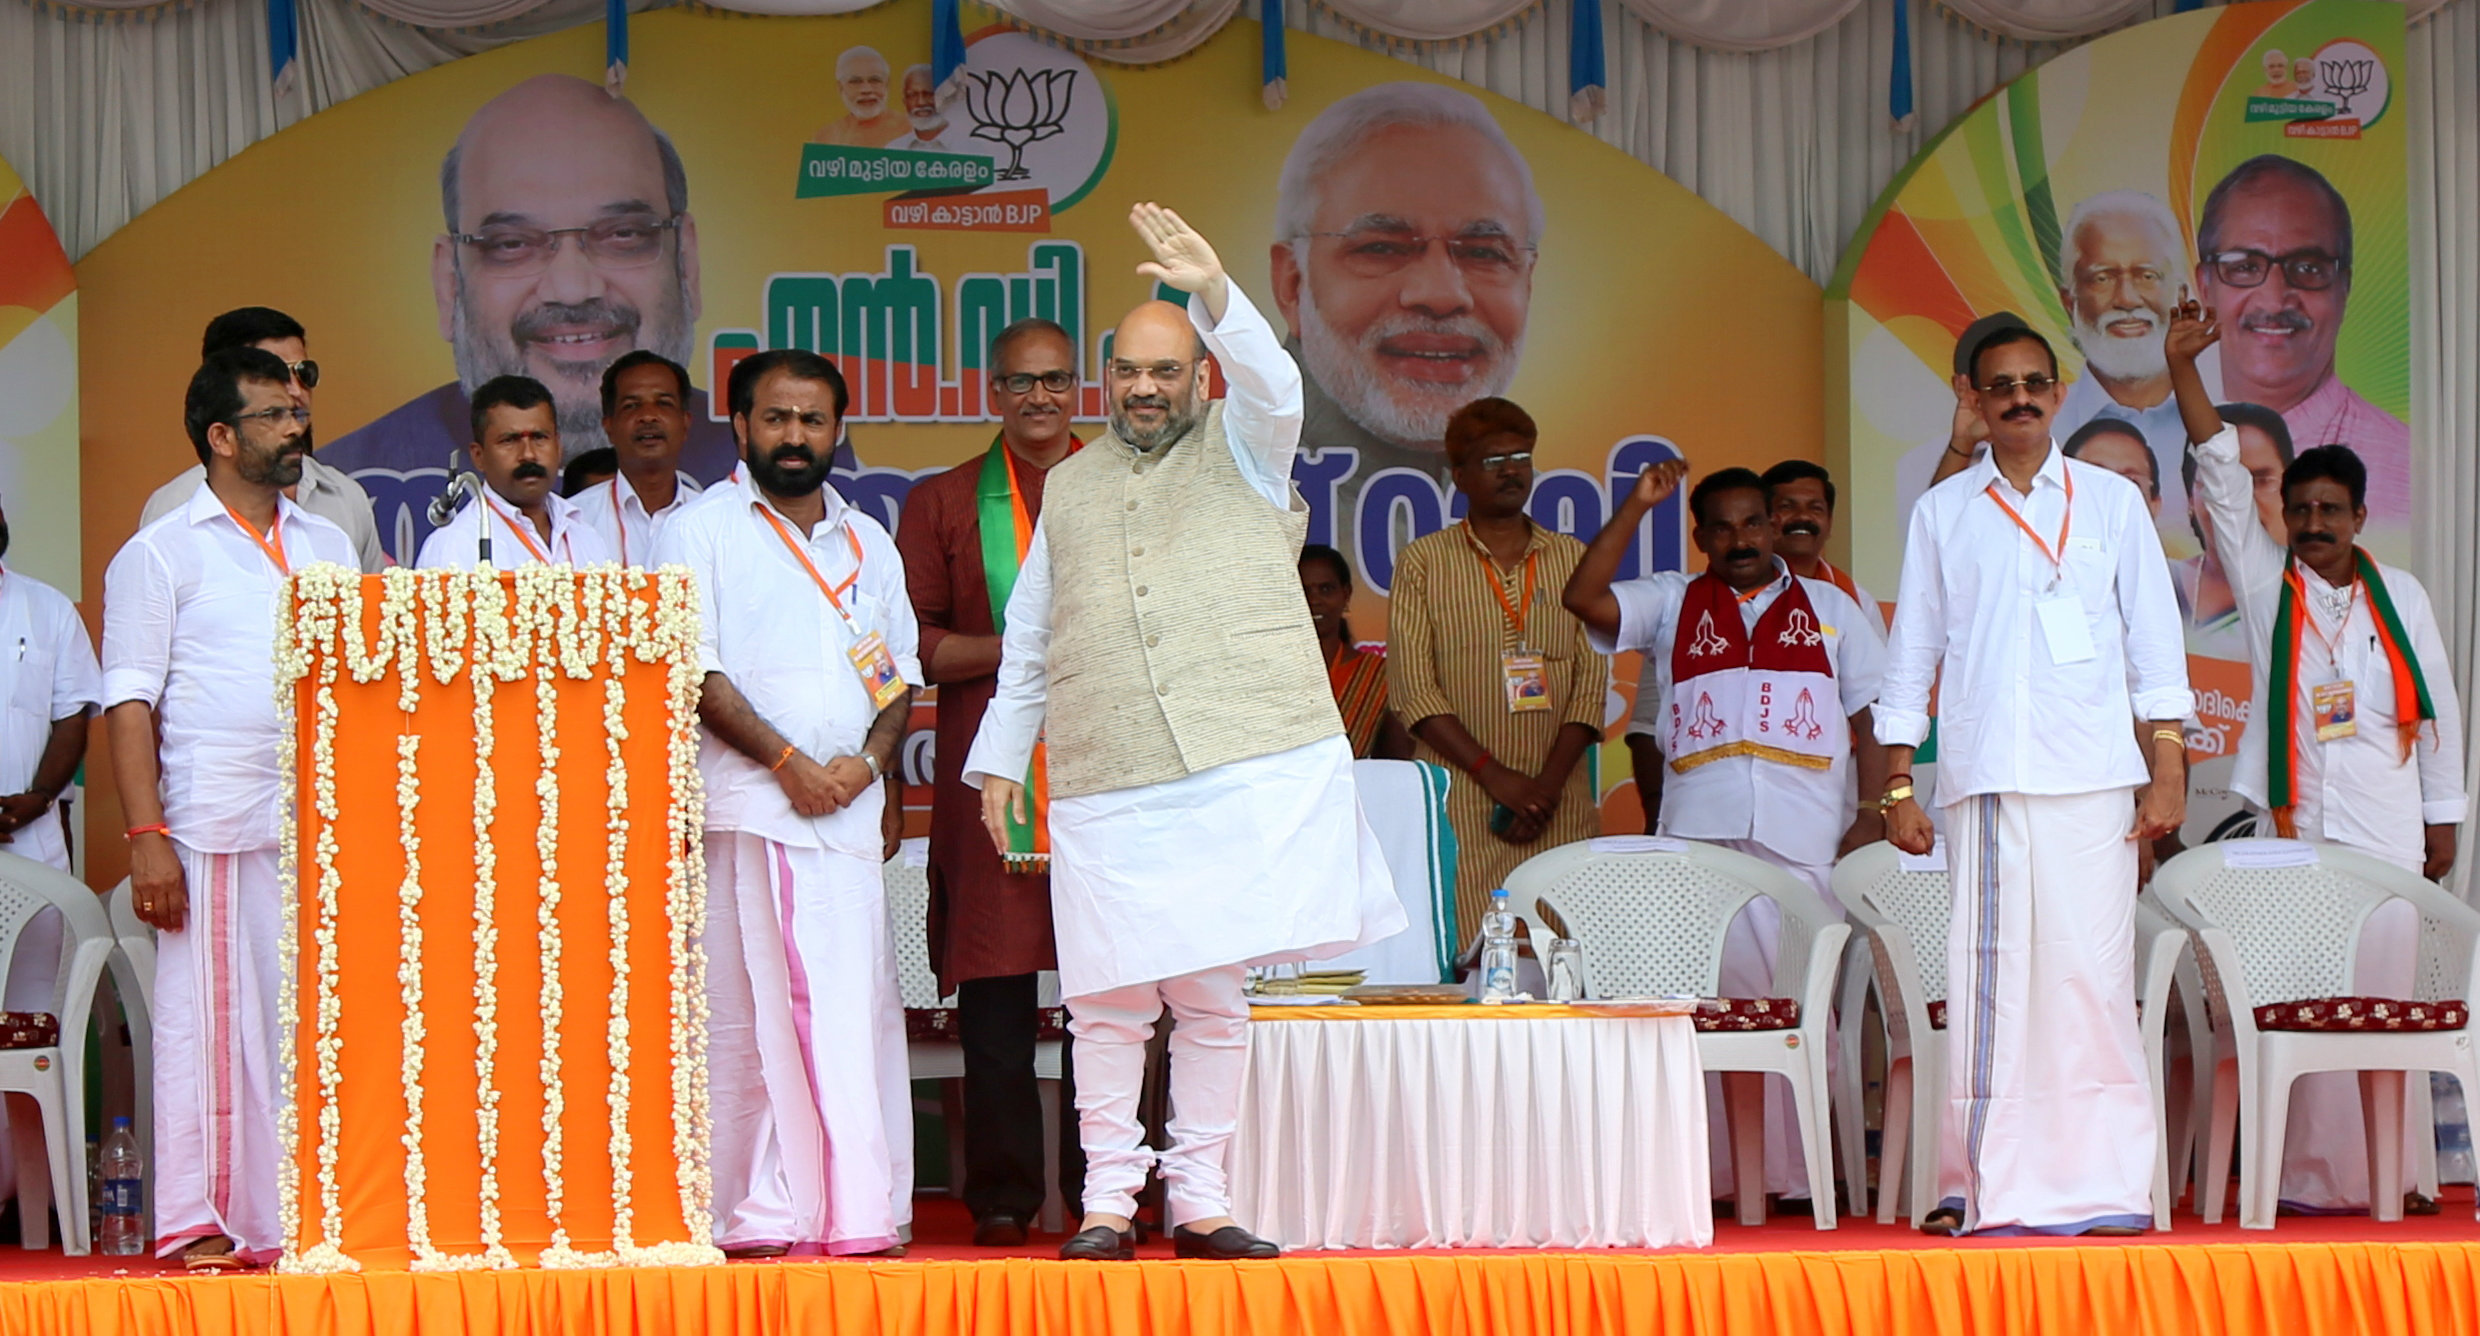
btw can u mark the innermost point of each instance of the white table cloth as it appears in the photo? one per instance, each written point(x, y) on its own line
point(1494, 1131)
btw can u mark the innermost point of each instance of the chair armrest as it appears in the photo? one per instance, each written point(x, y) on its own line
point(1825, 961)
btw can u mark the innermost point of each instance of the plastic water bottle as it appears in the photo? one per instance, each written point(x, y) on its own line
point(124, 1194)
point(1498, 948)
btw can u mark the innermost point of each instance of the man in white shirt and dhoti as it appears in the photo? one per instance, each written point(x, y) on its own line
point(2035, 585)
point(189, 667)
point(1202, 813)
point(2356, 738)
point(518, 518)
point(807, 640)
point(1763, 679)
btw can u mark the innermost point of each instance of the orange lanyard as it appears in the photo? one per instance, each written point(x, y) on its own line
point(270, 542)
point(1516, 613)
point(794, 546)
point(2057, 555)
point(619, 521)
point(522, 536)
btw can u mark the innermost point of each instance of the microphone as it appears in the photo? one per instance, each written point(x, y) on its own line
point(459, 490)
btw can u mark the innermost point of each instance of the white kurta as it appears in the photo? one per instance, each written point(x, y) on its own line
point(2043, 670)
point(1259, 860)
point(47, 673)
point(618, 515)
point(515, 541)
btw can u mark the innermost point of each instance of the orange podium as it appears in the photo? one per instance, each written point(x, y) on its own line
point(493, 975)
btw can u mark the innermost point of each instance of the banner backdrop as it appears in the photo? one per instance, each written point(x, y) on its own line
point(775, 182)
point(38, 394)
point(2081, 197)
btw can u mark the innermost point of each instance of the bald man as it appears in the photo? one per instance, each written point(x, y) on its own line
point(871, 119)
point(568, 244)
point(1202, 813)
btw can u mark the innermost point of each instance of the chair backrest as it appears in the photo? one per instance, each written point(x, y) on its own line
point(907, 878)
point(2291, 913)
point(1881, 889)
point(1651, 920)
point(122, 906)
point(26, 889)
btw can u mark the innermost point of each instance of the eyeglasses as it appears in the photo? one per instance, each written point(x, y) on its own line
point(1057, 382)
point(2005, 386)
point(272, 416)
point(2307, 270)
point(305, 371)
point(613, 243)
point(1164, 372)
point(1373, 252)
point(2147, 278)
point(1493, 463)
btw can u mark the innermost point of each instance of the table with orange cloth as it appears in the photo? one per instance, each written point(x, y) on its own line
point(1535, 1126)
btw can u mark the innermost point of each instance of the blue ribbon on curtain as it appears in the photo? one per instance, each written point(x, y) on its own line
point(1273, 68)
point(1899, 89)
point(615, 45)
point(1585, 77)
point(947, 55)
point(283, 45)
point(2182, 6)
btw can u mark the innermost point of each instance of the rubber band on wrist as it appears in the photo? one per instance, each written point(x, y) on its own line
point(789, 749)
point(158, 828)
point(1480, 763)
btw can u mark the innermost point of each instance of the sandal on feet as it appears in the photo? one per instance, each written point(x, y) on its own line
point(2419, 1203)
point(1945, 1222)
point(211, 1255)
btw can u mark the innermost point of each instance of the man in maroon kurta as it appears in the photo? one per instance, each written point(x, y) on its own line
point(990, 928)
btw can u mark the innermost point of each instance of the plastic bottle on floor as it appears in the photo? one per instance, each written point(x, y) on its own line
point(124, 1194)
point(1498, 948)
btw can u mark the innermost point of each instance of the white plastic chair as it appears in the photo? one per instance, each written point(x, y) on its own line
point(907, 880)
point(2283, 926)
point(2164, 958)
point(1652, 924)
point(1902, 915)
point(55, 1075)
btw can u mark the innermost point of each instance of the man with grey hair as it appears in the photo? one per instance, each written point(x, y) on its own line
point(1406, 229)
point(568, 244)
point(2121, 259)
point(870, 119)
point(928, 130)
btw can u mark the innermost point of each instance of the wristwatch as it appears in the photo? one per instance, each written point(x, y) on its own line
point(871, 761)
point(1893, 796)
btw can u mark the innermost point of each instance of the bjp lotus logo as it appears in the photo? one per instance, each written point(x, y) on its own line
point(1019, 108)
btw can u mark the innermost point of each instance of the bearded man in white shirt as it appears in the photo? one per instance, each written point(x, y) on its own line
point(2036, 602)
point(646, 415)
point(519, 517)
point(809, 648)
point(1773, 782)
point(189, 618)
point(2356, 738)
point(1202, 813)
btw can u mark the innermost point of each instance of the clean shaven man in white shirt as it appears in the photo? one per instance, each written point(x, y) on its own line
point(2035, 600)
point(646, 416)
point(189, 621)
point(2356, 737)
point(519, 518)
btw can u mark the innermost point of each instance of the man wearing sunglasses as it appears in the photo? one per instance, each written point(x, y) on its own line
point(324, 491)
point(568, 243)
point(963, 534)
point(2274, 258)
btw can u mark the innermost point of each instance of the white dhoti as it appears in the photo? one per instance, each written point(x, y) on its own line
point(217, 1055)
point(2325, 1144)
point(813, 1141)
point(2049, 1120)
point(1748, 971)
point(1162, 894)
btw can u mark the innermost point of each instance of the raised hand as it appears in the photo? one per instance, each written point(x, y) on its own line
point(1182, 259)
point(2194, 327)
point(1655, 484)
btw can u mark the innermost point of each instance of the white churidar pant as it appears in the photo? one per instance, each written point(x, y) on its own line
point(2049, 1120)
point(813, 1139)
point(1209, 1058)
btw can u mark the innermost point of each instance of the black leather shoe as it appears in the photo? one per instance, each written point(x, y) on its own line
point(1099, 1244)
point(1231, 1243)
point(998, 1230)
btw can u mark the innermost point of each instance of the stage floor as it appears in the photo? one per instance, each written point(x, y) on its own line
point(2338, 1274)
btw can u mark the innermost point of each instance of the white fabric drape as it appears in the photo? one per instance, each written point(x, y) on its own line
point(1429, 20)
point(451, 13)
point(1146, 32)
point(1741, 25)
point(2046, 20)
point(1500, 1133)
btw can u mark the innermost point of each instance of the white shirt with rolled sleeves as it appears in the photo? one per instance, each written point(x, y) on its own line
point(617, 514)
point(1799, 814)
point(47, 673)
point(189, 628)
point(765, 624)
point(2011, 717)
point(2356, 790)
point(457, 544)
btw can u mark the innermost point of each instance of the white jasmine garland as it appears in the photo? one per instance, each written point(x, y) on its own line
point(488, 652)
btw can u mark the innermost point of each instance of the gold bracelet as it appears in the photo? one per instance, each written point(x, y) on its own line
point(1892, 796)
point(2170, 735)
